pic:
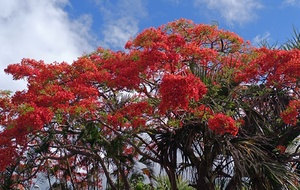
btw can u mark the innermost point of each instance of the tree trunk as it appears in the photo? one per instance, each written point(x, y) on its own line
point(172, 177)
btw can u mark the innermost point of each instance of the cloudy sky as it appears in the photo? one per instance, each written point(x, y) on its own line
point(62, 30)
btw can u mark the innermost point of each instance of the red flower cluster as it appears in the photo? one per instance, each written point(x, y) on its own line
point(277, 67)
point(222, 124)
point(136, 113)
point(289, 116)
point(176, 91)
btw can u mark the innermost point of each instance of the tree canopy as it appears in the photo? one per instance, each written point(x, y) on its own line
point(196, 100)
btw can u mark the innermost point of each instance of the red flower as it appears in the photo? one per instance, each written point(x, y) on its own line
point(176, 91)
point(281, 148)
point(128, 150)
point(289, 116)
point(222, 124)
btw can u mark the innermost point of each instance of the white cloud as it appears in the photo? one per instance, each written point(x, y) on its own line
point(41, 30)
point(119, 31)
point(291, 2)
point(233, 11)
point(259, 39)
point(121, 21)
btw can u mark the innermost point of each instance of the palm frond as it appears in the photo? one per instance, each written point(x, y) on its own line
point(294, 42)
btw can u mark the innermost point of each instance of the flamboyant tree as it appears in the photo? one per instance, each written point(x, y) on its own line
point(198, 101)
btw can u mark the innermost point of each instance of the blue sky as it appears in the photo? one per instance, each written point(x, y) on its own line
point(62, 30)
